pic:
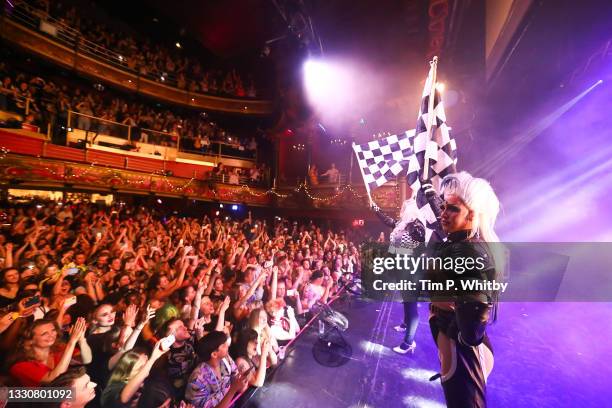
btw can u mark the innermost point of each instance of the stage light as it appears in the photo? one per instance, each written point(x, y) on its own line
point(178, 44)
point(419, 374)
point(420, 402)
point(217, 213)
point(330, 86)
point(221, 205)
point(440, 86)
point(120, 57)
point(234, 207)
point(159, 201)
point(370, 347)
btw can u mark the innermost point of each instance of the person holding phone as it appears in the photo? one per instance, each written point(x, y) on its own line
point(123, 388)
point(250, 363)
point(215, 381)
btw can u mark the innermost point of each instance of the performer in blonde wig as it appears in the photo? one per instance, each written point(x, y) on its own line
point(458, 319)
point(407, 237)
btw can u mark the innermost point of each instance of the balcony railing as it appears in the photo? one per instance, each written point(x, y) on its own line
point(40, 22)
point(97, 130)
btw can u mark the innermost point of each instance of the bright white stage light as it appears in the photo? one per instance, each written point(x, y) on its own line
point(371, 348)
point(414, 401)
point(419, 374)
point(440, 86)
point(318, 78)
point(330, 86)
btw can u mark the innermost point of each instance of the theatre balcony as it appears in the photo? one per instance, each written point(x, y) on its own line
point(36, 32)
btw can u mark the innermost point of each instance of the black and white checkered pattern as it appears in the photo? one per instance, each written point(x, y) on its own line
point(429, 146)
point(434, 148)
point(381, 160)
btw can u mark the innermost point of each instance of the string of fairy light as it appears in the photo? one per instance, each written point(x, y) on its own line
point(302, 187)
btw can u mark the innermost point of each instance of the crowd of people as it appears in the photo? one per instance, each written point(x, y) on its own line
point(332, 175)
point(49, 100)
point(131, 307)
point(165, 64)
point(235, 175)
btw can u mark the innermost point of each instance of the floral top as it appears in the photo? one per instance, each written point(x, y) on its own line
point(204, 389)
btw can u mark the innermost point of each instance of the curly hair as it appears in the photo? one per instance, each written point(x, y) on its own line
point(25, 351)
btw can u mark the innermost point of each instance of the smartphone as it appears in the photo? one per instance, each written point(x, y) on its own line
point(290, 292)
point(34, 300)
point(167, 342)
point(98, 235)
point(72, 271)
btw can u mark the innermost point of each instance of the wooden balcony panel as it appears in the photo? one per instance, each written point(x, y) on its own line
point(69, 154)
point(144, 164)
point(16, 143)
point(105, 159)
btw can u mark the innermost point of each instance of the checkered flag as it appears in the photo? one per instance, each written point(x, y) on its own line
point(435, 150)
point(381, 160)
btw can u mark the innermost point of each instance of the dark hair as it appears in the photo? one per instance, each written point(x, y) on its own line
point(316, 275)
point(244, 338)
point(67, 379)
point(163, 329)
point(209, 344)
point(4, 271)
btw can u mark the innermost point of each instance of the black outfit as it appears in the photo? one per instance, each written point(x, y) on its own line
point(407, 242)
point(98, 368)
point(465, 385)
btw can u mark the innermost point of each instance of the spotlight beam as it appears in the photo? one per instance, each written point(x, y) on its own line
point(498, 160)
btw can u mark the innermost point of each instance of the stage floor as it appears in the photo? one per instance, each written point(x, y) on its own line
point(546, 355)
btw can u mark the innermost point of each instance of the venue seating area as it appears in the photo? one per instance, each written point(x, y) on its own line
point(131, 50)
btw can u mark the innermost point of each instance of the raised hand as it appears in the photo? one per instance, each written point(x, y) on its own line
point(199, 324)
point(148, 315)
point(129, 316)
point(7, 320)
point(158, 350)
point(239, 383)
point(226, 303)
point(77, 331)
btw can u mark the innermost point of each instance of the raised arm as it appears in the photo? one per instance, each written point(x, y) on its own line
point(387, 220)
point(133, 385)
